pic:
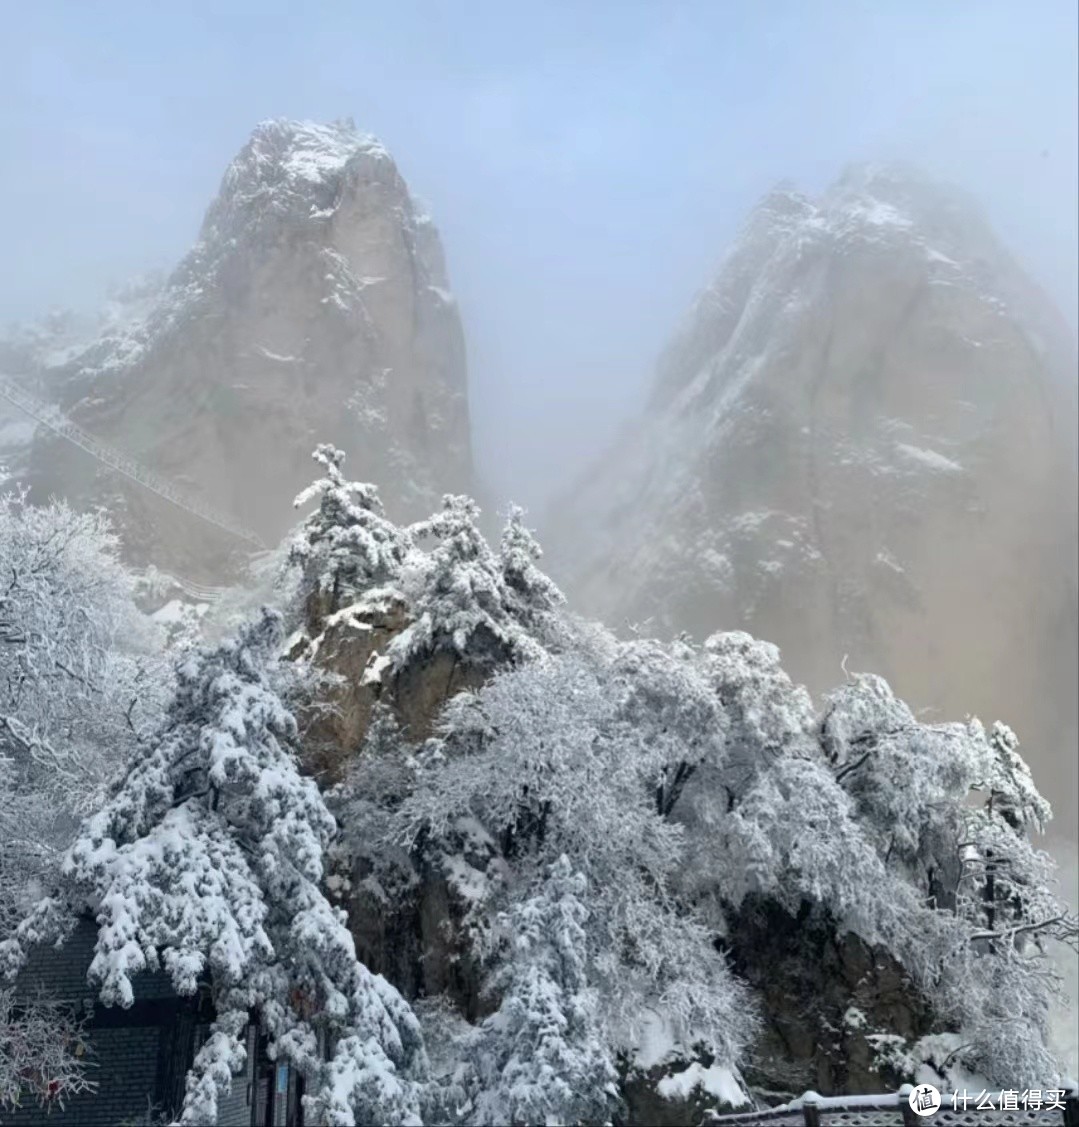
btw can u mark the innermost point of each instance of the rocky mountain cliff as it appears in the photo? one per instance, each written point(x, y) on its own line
point(314, 307)
point(860, 444)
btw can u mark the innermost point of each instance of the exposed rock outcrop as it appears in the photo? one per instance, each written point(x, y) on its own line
point(408, 917)
point(822, 994)
point(314, 307)
point(861, 443)
point(350, 646)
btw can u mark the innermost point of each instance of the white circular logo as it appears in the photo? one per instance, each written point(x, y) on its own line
point(924, 1100)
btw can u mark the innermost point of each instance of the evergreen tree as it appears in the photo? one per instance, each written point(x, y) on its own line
point(532, 596)
point(208, 859)
point(347, 545)
point(543, 1057)
point(457, 594)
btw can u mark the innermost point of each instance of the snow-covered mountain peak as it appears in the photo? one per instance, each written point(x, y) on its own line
point(861, 408)
point(282, 152)
point(294, 170)
point(929, 231)
point(782, 207)
point(314, 306)
point(896, 197)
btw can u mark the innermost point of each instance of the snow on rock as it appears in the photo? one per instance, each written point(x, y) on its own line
point(930, 459)
point(656, 1043)
point(935, 256)
point(276, 356)
point(226, 333)
point(889, 561)
point(176, 611)
point(715, 1080)
point(877, 214)
point(376, 666)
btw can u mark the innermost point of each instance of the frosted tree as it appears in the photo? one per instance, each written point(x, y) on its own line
point(762, 718)
point(906, 779)
point(952, 805)
point(768, 715)
point(347, 545)
point(79, 678)
point(532, 596)
point(43, 1052)
point(546, 760)
point(666, 700)
point(208, 861)
point(457, 594)
point(877, 829)
point(543, 1057)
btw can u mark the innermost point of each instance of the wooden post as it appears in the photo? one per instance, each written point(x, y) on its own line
point(811, 1112)
point(910, 1117)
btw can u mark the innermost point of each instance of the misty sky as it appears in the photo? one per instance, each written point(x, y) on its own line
point(586, 162)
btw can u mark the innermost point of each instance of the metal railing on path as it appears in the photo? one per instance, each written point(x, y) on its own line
point(1061, 1109)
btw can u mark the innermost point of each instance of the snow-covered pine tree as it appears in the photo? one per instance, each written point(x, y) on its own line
point(457, 594)
point(208, 859)
point(531, 595)
point(543, 1057)
point(347, 545)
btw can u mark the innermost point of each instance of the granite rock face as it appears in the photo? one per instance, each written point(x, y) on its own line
point(860, 445)
point(313, 308)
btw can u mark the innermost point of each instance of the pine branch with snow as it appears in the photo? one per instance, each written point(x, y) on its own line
point(543, 1056)
point(208, 860)
point(346, 545)
point(533, 597)
point(458, 596)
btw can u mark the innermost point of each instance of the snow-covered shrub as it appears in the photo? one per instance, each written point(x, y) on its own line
point(43, 1052)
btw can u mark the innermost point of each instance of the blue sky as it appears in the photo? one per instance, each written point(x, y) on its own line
point(586, 162)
